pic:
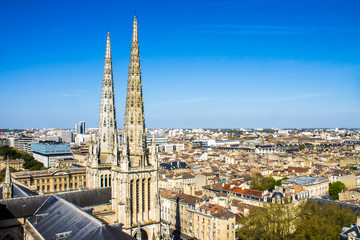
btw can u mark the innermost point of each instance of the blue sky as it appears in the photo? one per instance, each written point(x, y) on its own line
point(205, 64)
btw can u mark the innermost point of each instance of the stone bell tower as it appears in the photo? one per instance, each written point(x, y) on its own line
point(135, 194)
point(103, 149)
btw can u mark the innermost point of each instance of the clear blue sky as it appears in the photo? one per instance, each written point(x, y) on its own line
point(205, 63)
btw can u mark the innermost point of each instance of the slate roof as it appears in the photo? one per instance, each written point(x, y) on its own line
point(57, 216)
point(26, 206)
point(354, 230)
point(18, 191)
point(173, 165)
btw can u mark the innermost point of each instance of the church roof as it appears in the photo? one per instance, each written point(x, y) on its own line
point(26, 206)
point(57, 217)
point(18, 191)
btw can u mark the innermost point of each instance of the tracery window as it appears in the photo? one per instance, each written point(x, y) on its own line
point(131, 196)
point(149, 193)
point(137, 196)
point(143, 195)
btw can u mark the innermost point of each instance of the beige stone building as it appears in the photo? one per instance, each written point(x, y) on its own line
point(187, 217)
point(14, 163)
point(52, 181)
point(352, 194)
point(314, 186)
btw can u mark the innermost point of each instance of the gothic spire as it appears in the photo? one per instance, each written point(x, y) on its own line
point(134, 141)
point(7, 186)
point(107, 120)
point(7, 174)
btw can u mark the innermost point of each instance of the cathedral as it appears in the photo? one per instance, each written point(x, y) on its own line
point(130, 169)
point(121, 178)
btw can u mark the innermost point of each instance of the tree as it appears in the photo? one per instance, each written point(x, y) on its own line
point(261, 183)
point(310, 220)
point(2, 173)
point(322, 221)
point(279, 182)
point(336, 188)
point(30, 162)
point(301, 147)
point(275, 221)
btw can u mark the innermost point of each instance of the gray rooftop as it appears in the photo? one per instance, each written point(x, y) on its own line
point(302, 180)
point(26, 206)
point(59, 218)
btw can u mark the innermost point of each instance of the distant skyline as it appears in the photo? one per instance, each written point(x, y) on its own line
point(205, 64)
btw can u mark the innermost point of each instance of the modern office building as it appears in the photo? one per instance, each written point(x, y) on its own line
point(21, 143)
point(49, 151)
point(67, 136)
point(80, 127)
point(159, 140)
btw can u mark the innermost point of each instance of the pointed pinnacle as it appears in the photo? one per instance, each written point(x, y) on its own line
point(135, 33)
point(7, 174)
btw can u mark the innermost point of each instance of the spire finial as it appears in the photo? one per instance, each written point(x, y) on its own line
point(135, 32)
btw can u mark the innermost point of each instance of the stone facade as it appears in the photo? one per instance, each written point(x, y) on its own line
point(186, 217)
point(133, 175)
point(103, 149)
point(52, 181)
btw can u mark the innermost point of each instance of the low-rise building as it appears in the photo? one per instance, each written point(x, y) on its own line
point(17, 164)
point(315, 186)
point(50, 181)
point(190, 217)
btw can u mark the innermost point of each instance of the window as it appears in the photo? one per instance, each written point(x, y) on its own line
point(143, 195)
point(149, 193)
point(137, 195)
point(131, 195)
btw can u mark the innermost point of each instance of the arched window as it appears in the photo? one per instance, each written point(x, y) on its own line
point(149, 193)
point(137, 196)
point(131, 196)
point(143, 195)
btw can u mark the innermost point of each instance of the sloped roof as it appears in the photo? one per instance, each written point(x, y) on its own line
point(57, 216)
point(354, 230)
point(26, 206)
point(18, 191)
